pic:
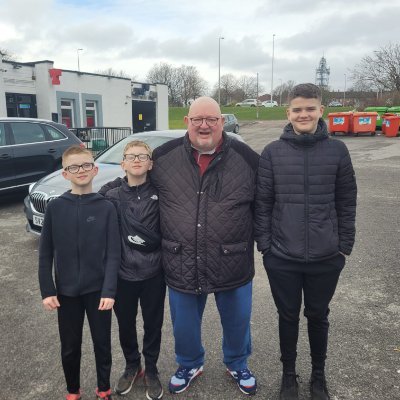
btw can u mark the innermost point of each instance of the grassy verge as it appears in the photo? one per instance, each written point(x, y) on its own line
point(176, 114)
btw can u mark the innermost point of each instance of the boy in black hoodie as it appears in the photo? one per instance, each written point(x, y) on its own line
point(80, 236)
point(140, 277)
point(305, 227)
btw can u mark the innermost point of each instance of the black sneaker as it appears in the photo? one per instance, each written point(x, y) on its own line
point(153, 385)
point(289, 386)
point(318, 388)
point(127, 380)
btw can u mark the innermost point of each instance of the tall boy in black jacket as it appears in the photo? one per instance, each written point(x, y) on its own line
point(140, 277)
point(305, 226)
point(80, 236)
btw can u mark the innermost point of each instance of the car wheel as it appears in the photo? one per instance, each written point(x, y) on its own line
point(236, 129)
point(252, 105)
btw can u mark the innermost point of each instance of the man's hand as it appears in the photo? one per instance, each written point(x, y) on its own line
point(51, 303)
point(106, 304)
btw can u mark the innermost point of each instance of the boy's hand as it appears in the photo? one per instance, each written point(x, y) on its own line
point(51, 303)
point(106, 304)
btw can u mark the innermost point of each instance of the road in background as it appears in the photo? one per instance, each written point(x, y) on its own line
point(364, 357)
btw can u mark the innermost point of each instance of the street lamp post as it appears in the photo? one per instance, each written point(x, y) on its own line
point(280, 92)
point(219, 69)
point(272, 67)
point(344, 93)
point(77, 52)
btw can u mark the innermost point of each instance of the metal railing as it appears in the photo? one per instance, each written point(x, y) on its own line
point(98, 139)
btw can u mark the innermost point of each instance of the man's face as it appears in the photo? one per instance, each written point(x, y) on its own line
point(304, 114)
point(85, 169)
point(204, 134)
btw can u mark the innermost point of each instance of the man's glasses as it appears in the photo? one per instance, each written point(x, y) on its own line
point(74, 169)
point(210, 121)
point(140, 157)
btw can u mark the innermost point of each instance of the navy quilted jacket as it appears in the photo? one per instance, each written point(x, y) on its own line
point(206, 221)
point(306, 197)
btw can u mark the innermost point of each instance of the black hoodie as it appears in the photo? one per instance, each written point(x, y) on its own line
point(81, 235)
point(306, 197)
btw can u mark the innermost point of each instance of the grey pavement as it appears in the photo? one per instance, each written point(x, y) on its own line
point(364, 348)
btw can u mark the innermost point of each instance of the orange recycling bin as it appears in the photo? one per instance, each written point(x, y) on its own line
point(392, 123)
point(363, 122)
point(384, 116)
point(339, 122)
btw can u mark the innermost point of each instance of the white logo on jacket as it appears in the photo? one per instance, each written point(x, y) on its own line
point(137, 240)
point(154, 197)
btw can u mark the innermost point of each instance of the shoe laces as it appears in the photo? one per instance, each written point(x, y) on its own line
point(245, 373)
point(181, 372)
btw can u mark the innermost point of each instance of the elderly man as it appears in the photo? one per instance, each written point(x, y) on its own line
point(206, 184)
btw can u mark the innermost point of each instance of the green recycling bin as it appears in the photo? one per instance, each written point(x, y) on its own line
point(380, 111)
point(394, 110)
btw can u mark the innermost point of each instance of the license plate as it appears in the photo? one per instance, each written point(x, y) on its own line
point(38, 221)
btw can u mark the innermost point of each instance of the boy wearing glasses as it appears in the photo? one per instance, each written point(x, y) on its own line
point(140, 276)
point(80, 236)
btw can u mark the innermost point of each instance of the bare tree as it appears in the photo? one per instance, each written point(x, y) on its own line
point(7, 55)
point(380, 71)
point(112, 72)
point(248, 85)
point(166, 74)
point(191, 84)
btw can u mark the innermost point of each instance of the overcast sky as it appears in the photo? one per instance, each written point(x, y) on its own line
point(134, 35)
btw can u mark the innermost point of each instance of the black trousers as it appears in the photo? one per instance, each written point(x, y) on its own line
point(317, 282)
point(151, 294)
point(71, 314)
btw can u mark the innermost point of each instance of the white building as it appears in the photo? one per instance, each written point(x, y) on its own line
point(79, 99)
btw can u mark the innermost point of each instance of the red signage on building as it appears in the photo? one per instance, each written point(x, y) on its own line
point(55, 75)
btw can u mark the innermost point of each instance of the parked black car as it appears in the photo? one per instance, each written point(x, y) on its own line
point(108, 162)
point(231, 123)
point(30, 149)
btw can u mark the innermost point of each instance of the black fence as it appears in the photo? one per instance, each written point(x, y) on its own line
point(98, 139)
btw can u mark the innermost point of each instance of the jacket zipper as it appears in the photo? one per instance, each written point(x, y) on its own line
point(78, 241)
point(306, 211)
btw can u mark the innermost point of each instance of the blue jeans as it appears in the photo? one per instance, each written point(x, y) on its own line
point(234, 308)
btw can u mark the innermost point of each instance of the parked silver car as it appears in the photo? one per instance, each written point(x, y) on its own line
point(53, 185)
point(248, 103)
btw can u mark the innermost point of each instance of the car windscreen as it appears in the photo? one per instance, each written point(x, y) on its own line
point(114, 154)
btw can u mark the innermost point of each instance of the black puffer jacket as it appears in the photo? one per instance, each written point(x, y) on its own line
point(142, 201)
point(206, 221)
point(306, 197)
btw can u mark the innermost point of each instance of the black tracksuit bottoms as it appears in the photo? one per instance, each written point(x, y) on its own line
point(151, 294)
point(289, 282)
point(71, 314)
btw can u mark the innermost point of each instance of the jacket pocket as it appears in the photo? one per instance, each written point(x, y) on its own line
point(233, 263)
point(172, 258)
point(234, 248)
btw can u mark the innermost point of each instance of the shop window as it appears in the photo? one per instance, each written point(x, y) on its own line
point(67, 113)
point(91, 115)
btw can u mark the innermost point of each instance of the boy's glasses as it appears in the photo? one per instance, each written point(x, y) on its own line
point(74, 169)
point(210, 121)
point(140, 157)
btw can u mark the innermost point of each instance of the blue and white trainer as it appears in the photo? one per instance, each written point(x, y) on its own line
point(182, 378)
point(245, 380)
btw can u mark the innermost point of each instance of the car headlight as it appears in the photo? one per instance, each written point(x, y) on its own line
point(31, 187)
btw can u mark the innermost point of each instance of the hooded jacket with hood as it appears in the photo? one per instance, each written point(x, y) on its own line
point(306, 197)
point(80, 235)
